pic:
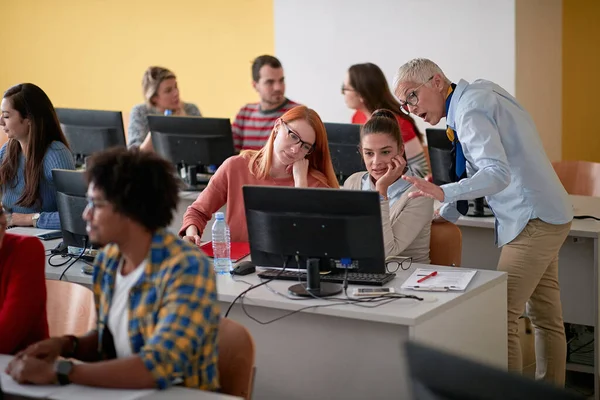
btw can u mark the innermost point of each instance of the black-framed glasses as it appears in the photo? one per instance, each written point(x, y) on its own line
point(346, 89)
point(93, 204)
point(295, 138)
point(412, 99)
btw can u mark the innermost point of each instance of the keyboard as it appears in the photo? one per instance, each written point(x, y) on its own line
point(354, 278)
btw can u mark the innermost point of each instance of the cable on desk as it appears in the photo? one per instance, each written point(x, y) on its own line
point(241, 295)
point(586, 217)
point(75, 260)
point(67, 256)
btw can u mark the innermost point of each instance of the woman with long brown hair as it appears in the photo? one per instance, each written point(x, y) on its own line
point(296, 154)
point(406, 221)
point(36, 145)
point(365, 90)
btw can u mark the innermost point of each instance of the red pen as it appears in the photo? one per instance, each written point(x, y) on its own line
point(434, 273)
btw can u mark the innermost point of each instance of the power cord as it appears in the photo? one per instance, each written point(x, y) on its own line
point(241, 295)
point(74, 261)
point(586, 217)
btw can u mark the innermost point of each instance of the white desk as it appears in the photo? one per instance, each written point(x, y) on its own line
point(347, 351)
point(72, 392)
point(578, 265)
point(351, 352)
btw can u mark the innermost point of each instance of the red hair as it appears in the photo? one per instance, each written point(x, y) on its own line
point(319, 160)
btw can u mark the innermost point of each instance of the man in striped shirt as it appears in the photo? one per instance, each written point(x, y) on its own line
point(254, 122)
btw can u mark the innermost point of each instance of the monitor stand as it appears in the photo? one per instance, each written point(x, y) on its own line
point(479, 209)
point(313, 286)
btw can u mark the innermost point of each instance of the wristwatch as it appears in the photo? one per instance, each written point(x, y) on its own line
point(35, 218)
point(63, 369)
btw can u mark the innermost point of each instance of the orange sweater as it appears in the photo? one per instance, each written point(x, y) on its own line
point(225, 187)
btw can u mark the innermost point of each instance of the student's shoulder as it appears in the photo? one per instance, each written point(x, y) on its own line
point(23, 242)
point(354, 181)
point(58, 155)
point(248, 109)
point(140, 109)
point(191, 109)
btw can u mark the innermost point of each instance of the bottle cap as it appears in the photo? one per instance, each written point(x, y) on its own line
point(219, 216)
point(168, 112)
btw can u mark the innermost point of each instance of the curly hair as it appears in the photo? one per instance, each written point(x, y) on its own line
point(140, 185)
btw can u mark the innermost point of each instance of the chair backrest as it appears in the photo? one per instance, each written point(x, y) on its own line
point(579, 177)
point(70, 308)
point(236, 359)
point(445, 246)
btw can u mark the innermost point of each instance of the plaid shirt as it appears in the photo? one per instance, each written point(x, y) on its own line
point(173, 312)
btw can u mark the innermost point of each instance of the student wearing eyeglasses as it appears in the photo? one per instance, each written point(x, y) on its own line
point(365, 90)
point(406, 221)
point(296, 154)
point(503, 159)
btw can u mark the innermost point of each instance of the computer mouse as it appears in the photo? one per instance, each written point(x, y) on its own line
point(244, 268)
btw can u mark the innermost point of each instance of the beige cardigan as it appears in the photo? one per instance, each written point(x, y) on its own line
point(406, 225)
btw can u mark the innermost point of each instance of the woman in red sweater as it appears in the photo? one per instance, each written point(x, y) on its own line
point(365, 90)
point(296, 154)
point(22, 290)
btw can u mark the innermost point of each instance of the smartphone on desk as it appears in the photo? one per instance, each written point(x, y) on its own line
point(49, 235)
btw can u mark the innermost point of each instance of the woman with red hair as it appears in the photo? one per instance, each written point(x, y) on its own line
point(296, 154)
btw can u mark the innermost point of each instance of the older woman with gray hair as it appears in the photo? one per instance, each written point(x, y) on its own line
point(499, 155)
point(162, 98)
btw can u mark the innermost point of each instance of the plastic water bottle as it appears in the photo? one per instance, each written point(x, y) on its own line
point(168, 112)
point(221, 245)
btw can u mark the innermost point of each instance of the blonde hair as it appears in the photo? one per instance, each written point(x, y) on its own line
point(320, 166)
point(152, 80)
point(418, 70)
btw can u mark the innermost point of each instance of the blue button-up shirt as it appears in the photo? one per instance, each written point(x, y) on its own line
point(394, 191)
point(506, 161)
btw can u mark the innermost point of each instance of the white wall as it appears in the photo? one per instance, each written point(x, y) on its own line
point(317, 40)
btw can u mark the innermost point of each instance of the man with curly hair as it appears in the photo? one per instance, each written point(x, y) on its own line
point(155, 294)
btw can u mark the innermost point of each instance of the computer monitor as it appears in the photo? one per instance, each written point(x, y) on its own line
point(437, 375)
point(196, 144)
point(441, 160)
point(71, 189)
point(336, 227)
point(89, 131)
point(343, 145)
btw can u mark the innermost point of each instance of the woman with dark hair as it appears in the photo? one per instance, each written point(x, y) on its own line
point(365, 90)
point(22, 290)
point(36, 145)
point(406, 221)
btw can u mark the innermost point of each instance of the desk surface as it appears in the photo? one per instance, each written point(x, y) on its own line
point(402, 311)
point(582, 205)
point(69, 392)
point(408, 312)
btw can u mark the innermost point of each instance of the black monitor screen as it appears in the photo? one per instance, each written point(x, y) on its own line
point(328, 224)
point(192, 140)
point(71, 189)
point(344, 140)
point(437, 375)
point(89, 131)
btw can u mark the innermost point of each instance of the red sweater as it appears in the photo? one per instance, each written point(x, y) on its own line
point(225, 187)
point(406, 128)
point(23, 318)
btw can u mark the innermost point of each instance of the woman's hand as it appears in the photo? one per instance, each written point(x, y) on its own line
point(395, 170)
point(22, 219)
point(191, 235)
point(300, 173)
